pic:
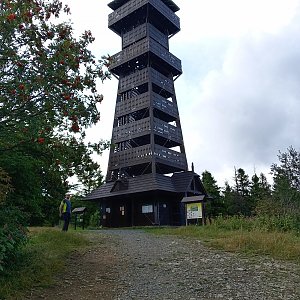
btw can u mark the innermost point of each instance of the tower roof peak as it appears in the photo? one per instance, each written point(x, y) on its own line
point(118, 3)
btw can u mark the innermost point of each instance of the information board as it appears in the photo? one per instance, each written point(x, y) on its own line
point(194, 211)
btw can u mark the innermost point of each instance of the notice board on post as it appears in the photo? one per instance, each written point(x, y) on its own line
point(194, 210)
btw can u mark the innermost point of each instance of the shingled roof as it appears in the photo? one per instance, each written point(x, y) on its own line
point(118, 3)
point(178, 183)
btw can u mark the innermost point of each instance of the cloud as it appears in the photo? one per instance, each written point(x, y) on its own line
point(233, 18)
point(249, 107)
point(239, 94)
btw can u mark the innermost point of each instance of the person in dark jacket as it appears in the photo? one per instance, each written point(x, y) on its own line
point(65, 211)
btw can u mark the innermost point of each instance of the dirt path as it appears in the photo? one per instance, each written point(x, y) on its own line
point(91, 274)
point(130, 264)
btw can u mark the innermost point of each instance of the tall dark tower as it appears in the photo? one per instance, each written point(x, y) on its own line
point(146, 125)
point(147, 174)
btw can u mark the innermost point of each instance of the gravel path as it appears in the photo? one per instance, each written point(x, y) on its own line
point(172, 268)
point(133, 265)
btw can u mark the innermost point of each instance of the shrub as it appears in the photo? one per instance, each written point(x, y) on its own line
point(95, 219)
point(280, 223)
point(283, 223)
point(13, 235)
point(234, 223)
point(5, 186)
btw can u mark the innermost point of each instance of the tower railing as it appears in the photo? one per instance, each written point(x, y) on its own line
point(167, 130)
point(170, 157)
point(144, 154)
point(165, 105)
point(162, 81)
point(133, 5)
point(143, 127)
point(144, 46)
point(158, 36)
point(133, 104)
point(131, 130)
point(133, 80)
point(143, 76)
point(134, 156)
point(143, 101)
point(141, 32)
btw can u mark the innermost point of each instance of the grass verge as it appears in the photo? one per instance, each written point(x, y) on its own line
point(39, 261)
point(277, 245)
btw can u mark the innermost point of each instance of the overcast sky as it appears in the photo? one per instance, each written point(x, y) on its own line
point(239, 95)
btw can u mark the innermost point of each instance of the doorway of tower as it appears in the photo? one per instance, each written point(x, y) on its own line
point(163, 212)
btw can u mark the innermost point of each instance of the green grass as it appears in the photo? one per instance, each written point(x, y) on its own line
point(275, 244)
point(278, 245)
point(39, 261)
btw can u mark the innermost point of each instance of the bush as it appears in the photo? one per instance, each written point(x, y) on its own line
point(5, 186)
point(13, 235)
point(282, 223)
point(95, 219)
point(234, 223)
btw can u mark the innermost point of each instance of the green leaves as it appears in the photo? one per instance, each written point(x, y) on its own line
point(49, 96)
point(5, 185)
point(48, 86)
point(45, 72)
point(12, 235)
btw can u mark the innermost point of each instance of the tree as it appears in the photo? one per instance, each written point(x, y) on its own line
point(289, 167)
point(260, 193)
point(230, 200)
point(242, 184)
point(215, 206)
point(237, 198)
point(46, 75)
point(243, 201)
point(286, 176)
point(48, 98)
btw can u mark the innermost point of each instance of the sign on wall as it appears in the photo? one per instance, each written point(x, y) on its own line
point(194, 211)
point(147, 209)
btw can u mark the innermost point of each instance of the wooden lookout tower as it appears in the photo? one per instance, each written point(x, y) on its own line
point(147, 174)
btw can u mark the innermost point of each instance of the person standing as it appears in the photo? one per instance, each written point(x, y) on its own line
point(65, 211)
